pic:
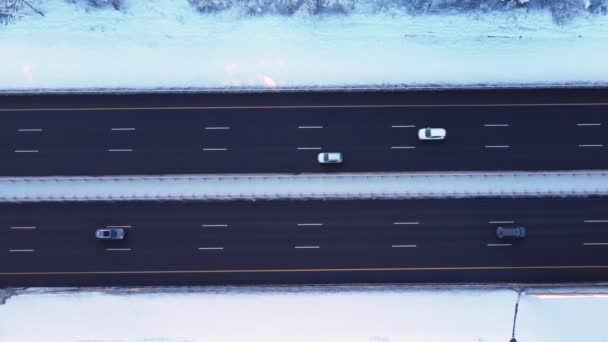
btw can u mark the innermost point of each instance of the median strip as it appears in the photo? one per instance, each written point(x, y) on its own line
point(307, 186)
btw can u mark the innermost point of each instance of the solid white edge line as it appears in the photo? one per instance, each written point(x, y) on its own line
point(403, 126)
point(217, 127)
point(501, 222)
point(595, 221)
point(591, 145)
point(500, 245)
point(215, 149)
point(27, 151)
point(406, 223)
point(310, 127)
point(402, 147)
point(20, 250)
point(214, 225)
point(309, 148)
point(496, 125)
point(595, 243)
point(307, 247)
point(120, 150)
point(210, 248)
point(309, 224)
point(403, 246)
point(29, 130)
point(497, 146)
point(23, 227)
point(122, 129)
point(588, 124)
point(118, 249)
point(125, 226)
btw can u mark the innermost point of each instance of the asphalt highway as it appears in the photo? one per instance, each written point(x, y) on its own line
point(555, 129)
point(188, 243)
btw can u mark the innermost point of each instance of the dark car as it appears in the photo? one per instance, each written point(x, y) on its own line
point(110, 234)
point(511, 232)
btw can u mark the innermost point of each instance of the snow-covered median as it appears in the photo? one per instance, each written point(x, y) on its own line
point(307, 186)
point(159, 44)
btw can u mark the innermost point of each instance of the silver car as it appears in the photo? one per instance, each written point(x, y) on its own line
point(329, 157)
point(431, 133)
point(110, 234)
point(511, 232)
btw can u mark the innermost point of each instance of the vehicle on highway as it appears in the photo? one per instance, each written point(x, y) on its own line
point(431, 133)
point(110, 234)
point(329, 157)
point(511, 232)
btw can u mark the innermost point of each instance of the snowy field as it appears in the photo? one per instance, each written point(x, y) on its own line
point(165, 44)
point(327, 313)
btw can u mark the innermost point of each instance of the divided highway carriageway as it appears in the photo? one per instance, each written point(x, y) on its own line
point(555, 129)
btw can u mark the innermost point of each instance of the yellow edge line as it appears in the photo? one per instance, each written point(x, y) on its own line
point(304, 270)
point(304, 107)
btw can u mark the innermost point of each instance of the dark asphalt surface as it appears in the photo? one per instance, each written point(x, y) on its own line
point(559, 129)
point(348, 241)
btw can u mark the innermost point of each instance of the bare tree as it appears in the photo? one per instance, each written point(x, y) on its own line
point(210, 6)
point(116, 4)
point(8, 10)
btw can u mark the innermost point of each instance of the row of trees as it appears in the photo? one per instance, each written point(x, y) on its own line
point(284, 7)
point(561, 10)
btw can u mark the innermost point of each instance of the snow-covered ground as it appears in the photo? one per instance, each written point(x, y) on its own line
point(167, 44)
point(305, 186)
point(323, 313)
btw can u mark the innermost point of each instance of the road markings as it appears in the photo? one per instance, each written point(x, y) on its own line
point(29, 130)
point(217, 127)
point(403, 126)
point(496, 125)
point(310, 127)
point(595, 221)
point(403, 246)
point(27, 151)
point(507, 222)
point(307, 247)
point(23, 227)
point(402, 147)
point(20, 250)
point(595, 243)
point(124, 226)
point(118, 249)
point(406, 222)
point(210, 248)
point(589, 124)
point(215, 149)
point(120, 150)
point(496, 146)
point(591, 145)
point(499, 245)
point(214, 225)
point(309, 224)
point(309, 148)
point(123, 129)
point(317, 270)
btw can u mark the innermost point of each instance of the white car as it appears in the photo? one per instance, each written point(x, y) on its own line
point(431, 133)
point(329, 157)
